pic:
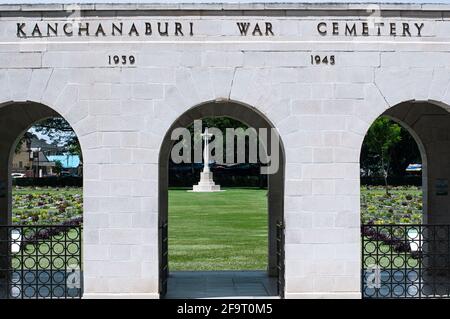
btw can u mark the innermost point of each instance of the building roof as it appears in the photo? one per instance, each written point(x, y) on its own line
point(41, 159)
point(67, 161)
point(43, 145)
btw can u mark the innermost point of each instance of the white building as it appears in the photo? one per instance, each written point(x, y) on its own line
point(124, 74)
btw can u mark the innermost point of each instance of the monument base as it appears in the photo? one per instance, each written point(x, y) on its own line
point(206, 183)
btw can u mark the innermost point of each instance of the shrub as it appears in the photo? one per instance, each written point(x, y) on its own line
point(53, 181)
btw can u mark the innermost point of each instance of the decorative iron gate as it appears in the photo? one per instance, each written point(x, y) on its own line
point(40, 262)
point(405, 261)
point(164, 258)
point(280, 258)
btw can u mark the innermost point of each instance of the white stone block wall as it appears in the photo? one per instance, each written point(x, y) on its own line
point(322, 113)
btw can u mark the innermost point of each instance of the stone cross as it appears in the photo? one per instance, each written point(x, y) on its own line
point(206, 137)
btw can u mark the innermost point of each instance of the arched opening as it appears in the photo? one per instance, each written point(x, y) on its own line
point(41, 204)
point(405, 226)
point(391, 174)
point(274, 270)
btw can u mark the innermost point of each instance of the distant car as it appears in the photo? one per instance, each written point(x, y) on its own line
point(18, 175)
point(67, 174)
point(412, 168)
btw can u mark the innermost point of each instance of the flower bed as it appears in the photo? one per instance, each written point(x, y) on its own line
point(46, 206)
point(402, 206)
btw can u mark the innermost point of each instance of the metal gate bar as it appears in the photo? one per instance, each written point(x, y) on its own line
point(40, 262)
point(164, 261)
point(405, 261)
point(280, 259)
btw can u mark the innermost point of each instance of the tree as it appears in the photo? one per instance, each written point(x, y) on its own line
point(382, 136)
point(24, 139)
point(58, 167)
point(60, 132)
point(405, 152)
point(222, 123)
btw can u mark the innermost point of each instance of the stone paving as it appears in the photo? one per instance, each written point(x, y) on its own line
point(221, 284)
point(406, 283)
point(32, 284)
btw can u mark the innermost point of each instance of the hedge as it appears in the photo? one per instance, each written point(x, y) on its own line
point(226, 178)
point(392, 181)
point(53, 181)
point(178, 180)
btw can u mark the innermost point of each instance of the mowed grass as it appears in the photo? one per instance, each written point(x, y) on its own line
point(218, 231)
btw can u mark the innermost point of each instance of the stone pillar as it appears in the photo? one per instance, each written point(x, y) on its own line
point(6, 145)
point(436, 241)
point(5, 202)
point(163, 218)
point(5, 217)
point(438, 175)
point(275, 215)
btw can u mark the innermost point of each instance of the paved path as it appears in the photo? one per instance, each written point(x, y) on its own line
point(221, 284)
point(407, 284)
point(32, 284)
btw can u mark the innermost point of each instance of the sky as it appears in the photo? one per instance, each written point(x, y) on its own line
point(218, 1)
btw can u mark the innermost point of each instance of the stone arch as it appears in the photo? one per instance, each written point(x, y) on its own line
point(415, 117)
point(249, 86)
point(423, 156)
point(428, 122)
point(15, 119)
point(252, 117)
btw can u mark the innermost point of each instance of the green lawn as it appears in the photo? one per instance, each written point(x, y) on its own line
point(213, 231)
point(218, 231)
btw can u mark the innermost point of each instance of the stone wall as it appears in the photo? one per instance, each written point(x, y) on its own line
point(322, 111)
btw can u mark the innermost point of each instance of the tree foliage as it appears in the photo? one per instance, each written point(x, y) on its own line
point(60, 132)
point(383, 136)
point(405, 152)
point(58, 167)
point(22, 140)
point(221, 123)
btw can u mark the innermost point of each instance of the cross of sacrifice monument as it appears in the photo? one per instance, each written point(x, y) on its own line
point(206, 183)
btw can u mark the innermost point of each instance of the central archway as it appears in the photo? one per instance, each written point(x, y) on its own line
point(275, 199)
